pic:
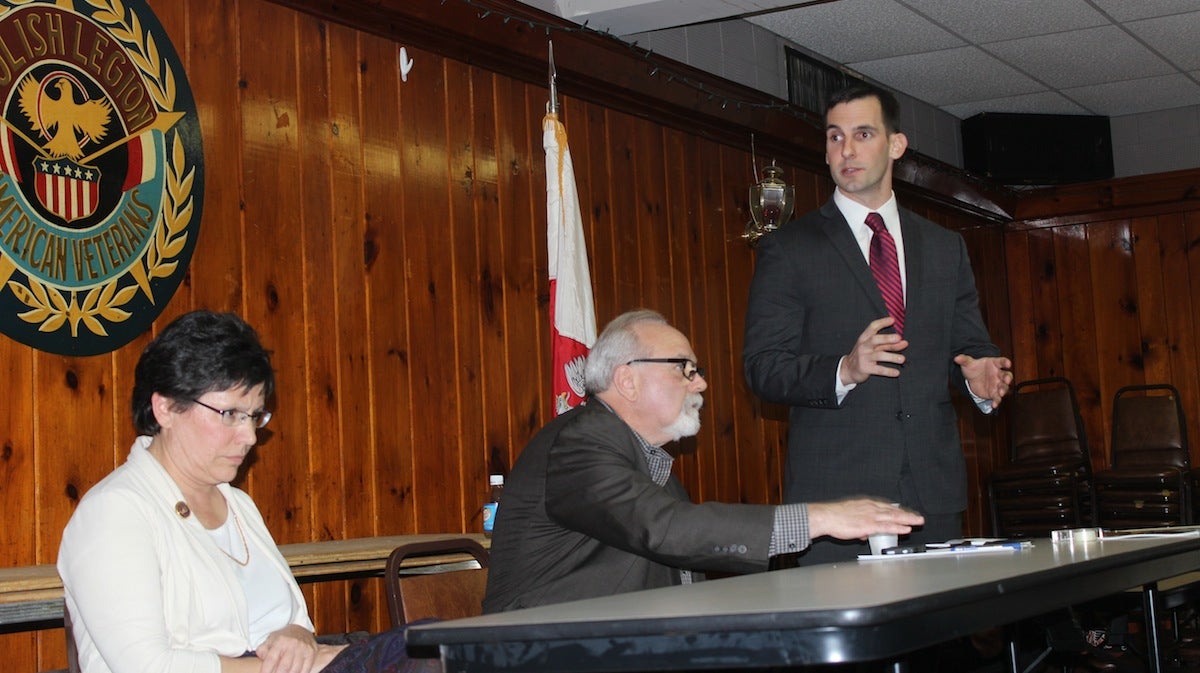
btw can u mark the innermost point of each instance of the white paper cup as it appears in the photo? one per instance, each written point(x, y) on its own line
point(881, 541)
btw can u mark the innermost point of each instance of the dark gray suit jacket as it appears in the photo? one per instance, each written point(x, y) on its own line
point(811, 297)
point(580, 517)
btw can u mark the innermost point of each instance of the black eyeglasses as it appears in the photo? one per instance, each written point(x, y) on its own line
point(234, 417)
point(686, 367)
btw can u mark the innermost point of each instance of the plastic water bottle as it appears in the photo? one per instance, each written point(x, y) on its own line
point(496, 481)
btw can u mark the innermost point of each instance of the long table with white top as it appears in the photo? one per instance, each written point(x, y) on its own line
point(845, 612)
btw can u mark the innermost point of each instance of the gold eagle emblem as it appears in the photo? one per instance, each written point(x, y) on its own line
point(61, 120)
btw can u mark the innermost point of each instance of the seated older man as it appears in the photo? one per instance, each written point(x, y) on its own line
point(591, 507)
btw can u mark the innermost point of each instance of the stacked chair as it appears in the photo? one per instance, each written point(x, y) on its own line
point(1047, 484)
point(1149, 483)
point(1150, 480)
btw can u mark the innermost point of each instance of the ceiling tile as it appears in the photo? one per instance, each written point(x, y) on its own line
point(1073, 58)
point(1113, 57)
point(1172, 36)
point(1129, 10)
point(1011, 19)
point(858, 30)
point(1140, 95)
point(963, 74)
point(1043, 102)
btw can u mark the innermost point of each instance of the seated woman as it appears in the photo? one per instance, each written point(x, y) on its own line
point(165, 566)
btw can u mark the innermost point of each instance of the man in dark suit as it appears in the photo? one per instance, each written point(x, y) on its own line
point(591, 507)
point(867, 380)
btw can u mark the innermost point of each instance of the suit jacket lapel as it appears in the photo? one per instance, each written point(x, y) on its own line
point(838, 231)
point(914, 268)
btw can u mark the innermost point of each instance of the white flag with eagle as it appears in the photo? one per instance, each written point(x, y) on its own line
point(572, 314)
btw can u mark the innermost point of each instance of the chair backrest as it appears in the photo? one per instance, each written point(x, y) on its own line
point(441, 595)
point(1044, 423)
point(1148, 428)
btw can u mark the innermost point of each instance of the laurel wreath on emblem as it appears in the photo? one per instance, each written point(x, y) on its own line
point(50, 306)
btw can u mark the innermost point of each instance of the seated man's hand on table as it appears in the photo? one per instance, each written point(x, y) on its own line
point(858, 518)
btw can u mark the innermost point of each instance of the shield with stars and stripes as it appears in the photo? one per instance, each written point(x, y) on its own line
point(67, 189)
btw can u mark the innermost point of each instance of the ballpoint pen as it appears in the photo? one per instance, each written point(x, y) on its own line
point(1007, 544)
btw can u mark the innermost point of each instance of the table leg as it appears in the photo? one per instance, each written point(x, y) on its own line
point(1150, 607)
point(1013, 655)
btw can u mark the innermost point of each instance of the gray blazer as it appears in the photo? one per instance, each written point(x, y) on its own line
point(580, 517)
point(811, 297)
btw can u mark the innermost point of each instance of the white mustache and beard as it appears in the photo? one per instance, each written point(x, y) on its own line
point(687, 423)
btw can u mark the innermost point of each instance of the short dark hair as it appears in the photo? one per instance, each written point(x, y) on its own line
point(887, 102)
point(199, 352)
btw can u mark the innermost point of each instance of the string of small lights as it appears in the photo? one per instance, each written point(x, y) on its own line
point(657, 68)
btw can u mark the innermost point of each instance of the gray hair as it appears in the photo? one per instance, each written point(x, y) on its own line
point(616, 345)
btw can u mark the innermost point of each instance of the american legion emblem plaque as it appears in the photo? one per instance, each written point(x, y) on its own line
point(101, 173)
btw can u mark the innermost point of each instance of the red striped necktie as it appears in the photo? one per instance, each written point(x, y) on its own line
point(885, 266)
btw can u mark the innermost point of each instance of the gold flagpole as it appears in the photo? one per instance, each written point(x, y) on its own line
point(552, 106)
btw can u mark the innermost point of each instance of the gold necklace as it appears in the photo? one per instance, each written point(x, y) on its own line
point(237, 522)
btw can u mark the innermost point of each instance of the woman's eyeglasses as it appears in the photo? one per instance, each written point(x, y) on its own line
point(235, 417)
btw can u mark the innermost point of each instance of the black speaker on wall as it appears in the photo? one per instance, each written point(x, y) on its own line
point(1037, 149)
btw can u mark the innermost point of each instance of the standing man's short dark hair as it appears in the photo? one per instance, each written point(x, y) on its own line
point(887, 102)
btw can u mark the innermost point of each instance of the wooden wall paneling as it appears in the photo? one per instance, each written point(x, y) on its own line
point(720, 314)
point(1179, 339)
point(328, 494)
point(663, 200)
point(1115, 198)
point(1118, 340)
point(19, 477)
point(1180, 323)
point(1043, 277)
point(1151, 308)
point(1078, 326)
point(346, 325)
point(990, 436)
point(215, 278)
point(521, 188)
point(812, 189)
point(1190, 322)
point(630, 276)
point(279, 479)
point(710, 314)
point(686, 234)
point(490, 240)
point(1020, 294)
point(73, 449)
point(746, 440)
point(468, 304)
point(429, 242)
point(588, 130)
point(656, 249)
point(1170, 358)
point(533, 192)
point(385, 191)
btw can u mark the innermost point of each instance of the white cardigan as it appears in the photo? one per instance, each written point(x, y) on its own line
point(149, 590)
